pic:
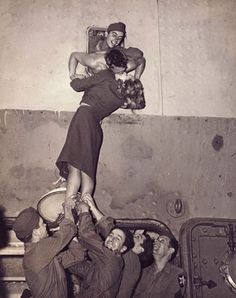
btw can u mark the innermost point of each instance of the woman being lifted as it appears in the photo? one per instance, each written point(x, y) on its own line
point(78, 159)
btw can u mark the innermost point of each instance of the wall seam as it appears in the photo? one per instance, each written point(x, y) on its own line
point(159, 68)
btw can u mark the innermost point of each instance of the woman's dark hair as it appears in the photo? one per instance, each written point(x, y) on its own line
point(115, 57)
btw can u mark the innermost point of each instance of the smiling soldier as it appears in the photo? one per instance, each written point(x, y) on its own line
point(162, 279)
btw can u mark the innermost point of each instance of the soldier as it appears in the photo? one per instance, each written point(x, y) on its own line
point(101, 274)
point(115, 35)
point(96, 61)
point(162, 279)
point(44, 261)
point(79, 156)
point(137, 257)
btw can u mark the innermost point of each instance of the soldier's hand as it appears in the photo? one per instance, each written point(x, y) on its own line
point(82, 207)
point(87, 198)
point(69, 203)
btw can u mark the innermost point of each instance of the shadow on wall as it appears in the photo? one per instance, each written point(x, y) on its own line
point(4, 238)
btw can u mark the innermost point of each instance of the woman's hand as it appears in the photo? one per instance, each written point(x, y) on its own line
point(77, 76)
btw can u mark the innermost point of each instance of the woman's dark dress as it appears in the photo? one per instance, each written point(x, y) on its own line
point(84, 138)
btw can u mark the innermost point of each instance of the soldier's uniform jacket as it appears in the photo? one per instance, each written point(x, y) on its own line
point(102, 273)
point(169, 283)
point(44, 262)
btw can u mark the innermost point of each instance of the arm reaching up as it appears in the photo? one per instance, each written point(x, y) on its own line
point(87, 198)
point(68, 205)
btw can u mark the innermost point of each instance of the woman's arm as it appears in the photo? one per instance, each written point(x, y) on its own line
point(82, 84)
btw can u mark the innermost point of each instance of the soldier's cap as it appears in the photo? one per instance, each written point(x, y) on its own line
point(117, 27)
point(25, 223)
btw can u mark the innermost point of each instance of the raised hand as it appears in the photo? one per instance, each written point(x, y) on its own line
point(77, 76)
point(87, 198)
point(82, 207)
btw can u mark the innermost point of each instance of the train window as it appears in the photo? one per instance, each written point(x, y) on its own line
point(94, 35)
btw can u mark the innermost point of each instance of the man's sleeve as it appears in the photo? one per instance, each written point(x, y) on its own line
point(105, 225)
point(49, 247)
point(130, 275)
point(74, 254)
point(89, 238)
point(182, 281)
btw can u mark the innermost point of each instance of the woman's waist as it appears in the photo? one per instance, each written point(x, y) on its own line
point(104, 108)
point(90, 109)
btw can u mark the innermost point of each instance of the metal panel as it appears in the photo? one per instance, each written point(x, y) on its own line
point(208, 256)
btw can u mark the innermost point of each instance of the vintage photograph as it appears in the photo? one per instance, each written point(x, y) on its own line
point(118, 149)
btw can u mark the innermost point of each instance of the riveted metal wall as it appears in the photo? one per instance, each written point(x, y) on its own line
point(208, 256)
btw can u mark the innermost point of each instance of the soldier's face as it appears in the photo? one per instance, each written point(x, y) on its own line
point(42, 230)
point(114, 38)
point(115, 240)
point(160, 245)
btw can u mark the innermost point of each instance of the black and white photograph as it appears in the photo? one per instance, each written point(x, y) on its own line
point(117, 149)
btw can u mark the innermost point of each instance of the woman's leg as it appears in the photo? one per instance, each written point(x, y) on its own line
point(87, 184)
point(73, 181)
